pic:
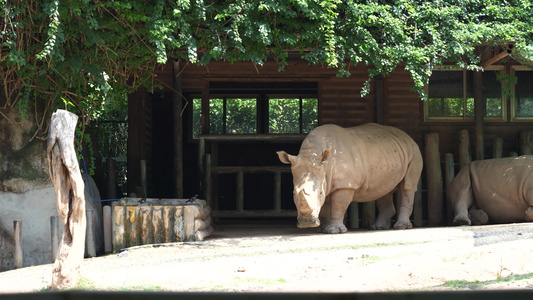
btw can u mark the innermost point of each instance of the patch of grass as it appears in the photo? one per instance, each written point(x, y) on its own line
point(84, 284)
point(475, 285)
point(264, 281)
point(219, 288)
point(141, 288)
point(44, 289)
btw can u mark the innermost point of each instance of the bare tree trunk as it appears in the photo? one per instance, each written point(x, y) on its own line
point(69, 190)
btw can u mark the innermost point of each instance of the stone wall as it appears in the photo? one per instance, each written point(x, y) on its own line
point(7, 251)
point(34, 208)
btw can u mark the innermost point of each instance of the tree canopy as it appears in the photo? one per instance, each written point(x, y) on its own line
point(91, 54)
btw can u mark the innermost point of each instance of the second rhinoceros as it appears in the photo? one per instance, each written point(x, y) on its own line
point(337, 166)
point(493, 190)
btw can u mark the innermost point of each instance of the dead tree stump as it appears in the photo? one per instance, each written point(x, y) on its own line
point(69, 189)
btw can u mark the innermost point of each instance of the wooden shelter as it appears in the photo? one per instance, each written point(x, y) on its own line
point(240, 174)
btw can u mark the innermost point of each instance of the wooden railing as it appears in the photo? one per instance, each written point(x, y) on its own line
point(207, 172)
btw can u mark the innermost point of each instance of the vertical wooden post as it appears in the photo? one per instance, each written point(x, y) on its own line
point(524, 142)
point(189, 214)
point(434, 180)
point(17, 228)
point(111, 166)
point(177, 112)
point(497, 148)
point(277, 191)
point(240, 191)
point(69, 188)
point(132, 219)
point(207, 182)
point(168, 221)
point(417, 206)
point(147, 235)
point(353, 213)
point(144, 179)
point(108, 233)
point(202, 164)
point(368, 214)
point(449, 174)
point(380, 100)
point(158, 224)
point(478, 114)
point(89, 235)
point(54, 235)
point(119, 213)
point(179, 229)
point(464, 149)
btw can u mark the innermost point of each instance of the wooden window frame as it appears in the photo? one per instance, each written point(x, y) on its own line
point(465, 118)
point(515, 118)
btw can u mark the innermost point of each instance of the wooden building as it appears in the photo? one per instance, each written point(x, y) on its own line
point(245, 178)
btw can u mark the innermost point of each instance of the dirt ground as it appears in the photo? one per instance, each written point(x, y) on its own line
point(282, 258)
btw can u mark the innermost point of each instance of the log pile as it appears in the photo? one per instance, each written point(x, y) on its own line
point(158, 221)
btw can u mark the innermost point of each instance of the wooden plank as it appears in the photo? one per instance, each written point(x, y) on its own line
point(168, 221)
point(464, 149)
point(434, 180)
point(250, 169)
point(240, 190)
point(147, 235)
point(277, 191)
point(253, 213)
point(418, 206)
point(449, 174)
point(497, 148)
point(177, 112)
point(17, 236)
point(478, 114)
point(179, 225)
point(368, 214)
point(118, 228)
point(108, 229)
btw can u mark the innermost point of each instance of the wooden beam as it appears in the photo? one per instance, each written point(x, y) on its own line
point(177, 112)
point(380, 101)
point(478, 114)
point(495, 59)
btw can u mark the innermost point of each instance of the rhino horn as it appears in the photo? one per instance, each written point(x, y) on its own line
point(303, 204)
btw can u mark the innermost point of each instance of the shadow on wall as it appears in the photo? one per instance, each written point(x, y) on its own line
point(34, 209)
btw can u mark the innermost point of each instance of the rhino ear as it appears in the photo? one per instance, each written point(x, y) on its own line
point(285, 157)
point(325, 155)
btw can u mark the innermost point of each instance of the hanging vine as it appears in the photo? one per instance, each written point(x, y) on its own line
point(93, 53)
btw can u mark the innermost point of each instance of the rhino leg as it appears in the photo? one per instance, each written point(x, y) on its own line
point(478, 216)
point(529, 210)
point(529, 214)
point(460, 196)
point(405, 209)
point(386, 211)
point(333, 211)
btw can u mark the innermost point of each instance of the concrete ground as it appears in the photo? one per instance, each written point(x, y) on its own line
point(280, 258)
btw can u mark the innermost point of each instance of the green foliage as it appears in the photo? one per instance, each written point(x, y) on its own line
point(96, 52)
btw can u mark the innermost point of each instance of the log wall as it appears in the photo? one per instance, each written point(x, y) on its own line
point(158, 221)
point(340, 103)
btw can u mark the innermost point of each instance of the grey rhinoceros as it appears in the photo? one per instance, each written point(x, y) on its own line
point(494, 190)
point(337, 166)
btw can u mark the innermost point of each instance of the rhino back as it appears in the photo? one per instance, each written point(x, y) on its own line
point(371, 158)
point(500, 186)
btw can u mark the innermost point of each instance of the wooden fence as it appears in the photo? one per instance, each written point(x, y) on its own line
point(430, 205)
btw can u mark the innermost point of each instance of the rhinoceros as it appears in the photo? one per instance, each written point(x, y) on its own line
point(337, 166)
point(496, 190)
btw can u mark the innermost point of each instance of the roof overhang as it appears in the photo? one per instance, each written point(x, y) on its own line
point(523, 55)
